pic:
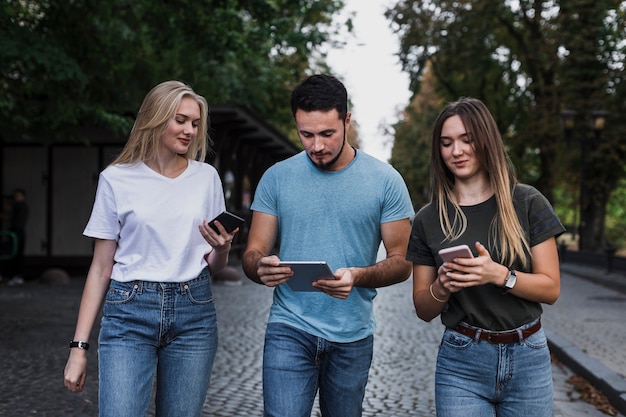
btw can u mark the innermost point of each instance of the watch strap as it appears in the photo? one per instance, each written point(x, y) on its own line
point(79, 345)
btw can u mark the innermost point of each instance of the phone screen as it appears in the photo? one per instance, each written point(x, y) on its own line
point(230, 221)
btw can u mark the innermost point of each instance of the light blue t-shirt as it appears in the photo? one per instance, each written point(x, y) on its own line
point(333, 216)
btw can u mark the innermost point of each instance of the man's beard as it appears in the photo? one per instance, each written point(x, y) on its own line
point(328, 165)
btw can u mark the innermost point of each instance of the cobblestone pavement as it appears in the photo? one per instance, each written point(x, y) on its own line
point(38, 320)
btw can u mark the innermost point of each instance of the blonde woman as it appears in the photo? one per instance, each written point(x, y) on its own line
point(153, 257)
point(493, 358)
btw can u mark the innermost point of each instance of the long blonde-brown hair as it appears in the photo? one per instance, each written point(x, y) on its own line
point(506, 230)
point(158, 108)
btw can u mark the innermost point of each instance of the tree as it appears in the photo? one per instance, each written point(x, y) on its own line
point(410, 154)
point(515, 57)
point(70, 64)
point(588, 76)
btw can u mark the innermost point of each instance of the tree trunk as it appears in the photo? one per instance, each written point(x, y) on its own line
point(592, 235)
point(595, 190)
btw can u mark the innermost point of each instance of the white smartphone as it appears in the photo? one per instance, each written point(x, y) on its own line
point(460, 251)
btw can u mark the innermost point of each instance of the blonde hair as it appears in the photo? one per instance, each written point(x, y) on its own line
point(158, 108)
point(505, 232)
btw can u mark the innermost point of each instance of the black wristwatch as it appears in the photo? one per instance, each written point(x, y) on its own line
point(510, 281)
point(79, 344)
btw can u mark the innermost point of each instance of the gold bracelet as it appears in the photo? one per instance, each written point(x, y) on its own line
point(434, 296)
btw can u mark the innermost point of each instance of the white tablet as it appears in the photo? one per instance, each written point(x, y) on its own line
point(305, 272)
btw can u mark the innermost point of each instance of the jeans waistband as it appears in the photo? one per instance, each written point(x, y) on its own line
point(153, 285)
point(509, 336)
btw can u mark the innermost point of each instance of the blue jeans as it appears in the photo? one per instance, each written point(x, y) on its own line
point(476, 378)
point(296, 364)
point(148, 328)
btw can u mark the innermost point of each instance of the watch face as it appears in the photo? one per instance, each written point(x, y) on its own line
point(510, 281)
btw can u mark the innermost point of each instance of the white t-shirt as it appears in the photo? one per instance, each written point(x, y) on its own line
point(155, 219)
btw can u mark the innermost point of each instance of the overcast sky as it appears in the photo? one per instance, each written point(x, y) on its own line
point(369, 67)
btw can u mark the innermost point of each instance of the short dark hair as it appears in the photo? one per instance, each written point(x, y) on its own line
point(320, 93)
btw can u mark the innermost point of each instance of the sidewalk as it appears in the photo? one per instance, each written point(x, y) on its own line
point(586, 328)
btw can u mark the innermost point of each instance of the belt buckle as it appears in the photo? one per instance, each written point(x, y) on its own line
point(489, 337)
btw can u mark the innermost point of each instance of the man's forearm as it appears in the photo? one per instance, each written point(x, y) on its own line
point(387, 272)
point(250, 264)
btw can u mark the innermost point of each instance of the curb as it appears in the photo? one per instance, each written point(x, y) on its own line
point(612, 280)
point(610, 383)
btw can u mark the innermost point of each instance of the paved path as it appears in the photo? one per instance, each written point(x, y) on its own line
point(38, 320)
point(586, 328)
point(593, 318)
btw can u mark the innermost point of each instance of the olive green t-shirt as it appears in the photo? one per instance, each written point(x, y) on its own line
point(485, 306)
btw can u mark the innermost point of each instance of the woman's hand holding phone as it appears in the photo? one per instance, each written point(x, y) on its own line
point(462, 270)
point(449, 275)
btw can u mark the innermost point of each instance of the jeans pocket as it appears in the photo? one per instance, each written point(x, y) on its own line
point(456, 340)
point(536, 340)
point(200, 292)
point(120, 292)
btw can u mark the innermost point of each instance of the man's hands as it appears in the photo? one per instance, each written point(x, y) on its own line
point(271, 274)
point(340, 287)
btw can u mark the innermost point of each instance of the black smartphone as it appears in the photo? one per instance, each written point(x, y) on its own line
point(229, 220)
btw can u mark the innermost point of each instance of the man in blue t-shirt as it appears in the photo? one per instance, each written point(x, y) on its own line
point(335, 204)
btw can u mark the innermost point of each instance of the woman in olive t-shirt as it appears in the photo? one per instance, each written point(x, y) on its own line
point(493, 358)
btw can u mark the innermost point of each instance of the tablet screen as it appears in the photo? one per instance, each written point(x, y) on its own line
point(305, 272)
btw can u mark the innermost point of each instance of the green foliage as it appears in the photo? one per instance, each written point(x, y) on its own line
point(616, 216)
point(566, 207)
point(89, 63)
point(411, 155)
point(528, 61)
point(411, 150)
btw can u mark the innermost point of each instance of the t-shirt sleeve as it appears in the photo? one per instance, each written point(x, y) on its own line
point(103, 222)
point(536, 213)
point(418, 250)
point(398, 203)
point(218, 204)
point(264, 196)
point(543, 220)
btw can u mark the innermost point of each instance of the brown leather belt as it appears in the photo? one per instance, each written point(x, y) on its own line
point(509, 336)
